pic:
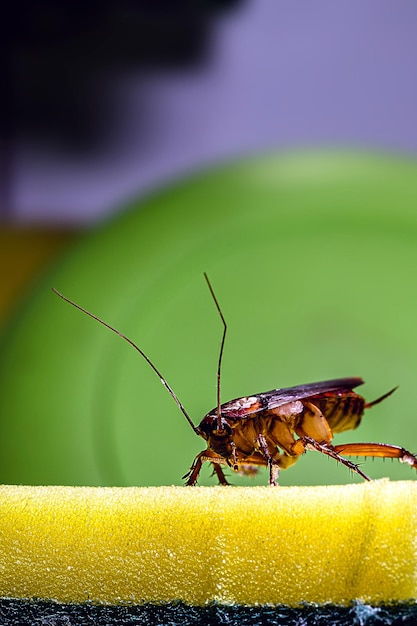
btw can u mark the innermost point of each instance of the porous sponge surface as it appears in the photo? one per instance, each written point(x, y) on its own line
point(254, 545)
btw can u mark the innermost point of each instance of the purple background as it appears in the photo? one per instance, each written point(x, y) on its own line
point(278, 75)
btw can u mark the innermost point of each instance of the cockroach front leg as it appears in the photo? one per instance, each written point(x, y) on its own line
point(195, 469)
point(382, 450)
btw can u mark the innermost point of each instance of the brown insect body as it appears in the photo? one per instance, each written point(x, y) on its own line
point(274, 428)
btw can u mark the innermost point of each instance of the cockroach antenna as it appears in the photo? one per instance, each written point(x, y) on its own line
point(147, 359)
point(219, 365)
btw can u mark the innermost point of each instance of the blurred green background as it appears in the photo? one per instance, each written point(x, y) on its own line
point(312, 256)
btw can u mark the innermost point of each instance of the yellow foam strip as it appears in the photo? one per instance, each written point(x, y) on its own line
point(251, 545)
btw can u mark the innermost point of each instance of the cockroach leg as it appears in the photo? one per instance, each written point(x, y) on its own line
point(263, 447)
point(234, 456)
point(195, 469)
point(382, 450)
point(220, 474)
point(273, 474)
point(272, 464)
point(333, 452)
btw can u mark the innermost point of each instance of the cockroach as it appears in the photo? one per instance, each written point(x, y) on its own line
point(274, 428)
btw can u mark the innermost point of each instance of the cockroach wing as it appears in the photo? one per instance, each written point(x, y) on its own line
point(246, 406)
point(279, 397)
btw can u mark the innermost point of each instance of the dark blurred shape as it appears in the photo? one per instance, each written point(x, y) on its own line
point(56, 55)
point(57, 52)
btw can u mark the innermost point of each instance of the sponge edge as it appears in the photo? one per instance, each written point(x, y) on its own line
point(244, 545)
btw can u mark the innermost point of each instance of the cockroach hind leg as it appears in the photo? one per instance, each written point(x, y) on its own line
point(409, 458)
point(335, 453)
point(378, 450)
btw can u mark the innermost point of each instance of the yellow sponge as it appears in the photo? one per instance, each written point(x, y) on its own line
point(254, 545)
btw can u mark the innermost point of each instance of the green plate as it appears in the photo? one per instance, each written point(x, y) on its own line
point(313, 257)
